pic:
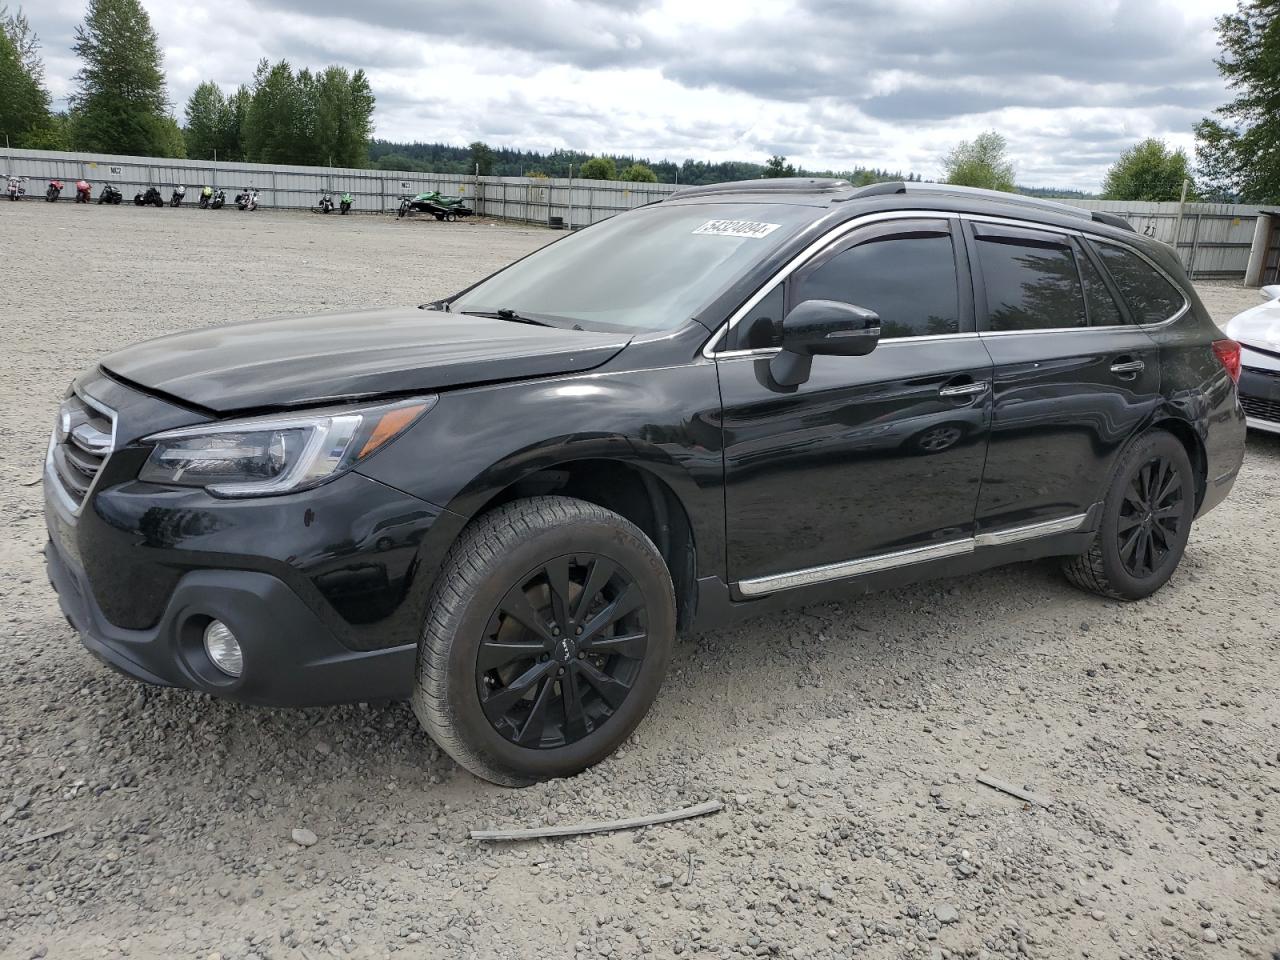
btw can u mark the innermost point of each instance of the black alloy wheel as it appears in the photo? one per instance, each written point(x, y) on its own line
point(546, 639)
point(1150, 516)
point(561, 651)
point(1146, 520)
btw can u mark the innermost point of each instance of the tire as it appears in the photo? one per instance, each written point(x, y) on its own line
point(504, 561)
point(1146, 520)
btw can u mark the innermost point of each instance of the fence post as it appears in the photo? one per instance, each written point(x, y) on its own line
point(1195, 244)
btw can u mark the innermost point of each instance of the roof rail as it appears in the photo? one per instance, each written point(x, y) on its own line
point(999, 196)
point(768, 185)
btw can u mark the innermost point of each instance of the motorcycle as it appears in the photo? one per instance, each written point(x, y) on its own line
point(206, 194)
point(178, 193)
point(54, 191)
point(151, 198)
point(326, 203)
point(217, 200)
point(344, 206)
point(110, 194)
point(84, 191)
point(17, 188)
point(247, 199)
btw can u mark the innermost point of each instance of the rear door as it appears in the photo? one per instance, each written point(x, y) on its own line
point(872, 455)
point(1074, 376)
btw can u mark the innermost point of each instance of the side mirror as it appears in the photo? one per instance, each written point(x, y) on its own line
point(822, 327)
point(1271, 293)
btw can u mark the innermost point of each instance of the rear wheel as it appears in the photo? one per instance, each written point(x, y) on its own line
point(1146, 520)
point(546, 640)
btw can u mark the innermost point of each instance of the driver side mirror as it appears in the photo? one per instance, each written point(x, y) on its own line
point(822, 327)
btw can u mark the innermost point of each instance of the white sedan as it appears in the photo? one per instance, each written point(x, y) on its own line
point(1258, 332)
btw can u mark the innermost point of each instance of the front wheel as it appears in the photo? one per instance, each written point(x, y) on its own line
point(1146, 520)
point(547, 637)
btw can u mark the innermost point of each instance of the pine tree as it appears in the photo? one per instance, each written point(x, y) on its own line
point(120, 104)
point(24, 103)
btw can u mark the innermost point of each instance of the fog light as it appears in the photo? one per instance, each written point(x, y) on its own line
point(223, 648)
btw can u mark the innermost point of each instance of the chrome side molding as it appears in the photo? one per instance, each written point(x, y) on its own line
point(760, 586)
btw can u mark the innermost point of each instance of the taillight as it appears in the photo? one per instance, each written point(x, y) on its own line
point(1228, 352)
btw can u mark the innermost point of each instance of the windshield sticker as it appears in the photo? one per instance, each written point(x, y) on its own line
point(749, 229)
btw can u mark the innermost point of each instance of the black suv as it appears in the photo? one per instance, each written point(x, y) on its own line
point(505, 504)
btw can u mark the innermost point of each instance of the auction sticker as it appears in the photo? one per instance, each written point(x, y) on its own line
point(749, 229)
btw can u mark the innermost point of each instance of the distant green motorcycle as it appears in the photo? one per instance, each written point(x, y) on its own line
point(344, 204)
point(439, 206)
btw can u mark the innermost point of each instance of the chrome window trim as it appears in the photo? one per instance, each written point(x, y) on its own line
point(876, 563)
point(841, 230)
point(51, 475)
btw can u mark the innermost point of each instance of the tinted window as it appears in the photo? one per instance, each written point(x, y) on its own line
point(1030, 286)
point(1150, 296)
point(1103, 311)
point(910, 281)
point(762, 325)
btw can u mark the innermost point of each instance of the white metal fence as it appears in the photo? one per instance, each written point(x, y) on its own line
point(561, 201)
point(1213, 239)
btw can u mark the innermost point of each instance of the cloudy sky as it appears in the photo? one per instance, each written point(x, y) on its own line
point(828, 83)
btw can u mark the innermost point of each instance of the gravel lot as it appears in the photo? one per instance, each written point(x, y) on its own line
point(845, 739)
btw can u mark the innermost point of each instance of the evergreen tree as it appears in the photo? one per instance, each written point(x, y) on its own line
point(209, 123)
point(24, 102)
point(120, 104)
point(1239, 155)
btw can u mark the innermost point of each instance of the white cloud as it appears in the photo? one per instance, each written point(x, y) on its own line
point(830, 83)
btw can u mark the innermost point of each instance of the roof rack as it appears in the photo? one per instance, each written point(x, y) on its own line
point(768, 185)
point(999, 196)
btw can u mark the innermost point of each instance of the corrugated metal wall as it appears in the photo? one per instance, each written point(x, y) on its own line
point(1213, 239)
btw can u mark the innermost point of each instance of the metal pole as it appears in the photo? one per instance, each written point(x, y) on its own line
point(1195, 243)
point(570, 223)
point(1177, 229)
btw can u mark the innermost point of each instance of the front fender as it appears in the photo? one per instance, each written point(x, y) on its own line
point(478, 441)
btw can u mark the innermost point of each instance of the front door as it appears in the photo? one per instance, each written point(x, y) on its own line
point(1075, 377)
point(872, 455)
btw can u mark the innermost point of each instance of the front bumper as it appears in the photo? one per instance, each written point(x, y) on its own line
point(1260, 397)
point(290, 657)
point(325, 588)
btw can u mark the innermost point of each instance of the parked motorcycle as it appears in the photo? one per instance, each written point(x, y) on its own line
point(344, 206)
point(326, 202)
point(206, 194)
point(247, 199)
point(178, 193)
point(54, 191)
point(218, 198)
point(17, 188)
point(151, 198)
point(110, 194)
point(84, 191)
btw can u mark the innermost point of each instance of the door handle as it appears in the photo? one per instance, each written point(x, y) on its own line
point(964, 389)
point(1128, 366)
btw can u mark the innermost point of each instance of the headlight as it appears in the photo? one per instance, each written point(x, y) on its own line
point(265, 455)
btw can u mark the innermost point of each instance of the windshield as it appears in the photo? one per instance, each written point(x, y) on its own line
point(652, 269)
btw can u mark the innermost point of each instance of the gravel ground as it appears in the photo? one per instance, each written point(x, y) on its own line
point(844, 739)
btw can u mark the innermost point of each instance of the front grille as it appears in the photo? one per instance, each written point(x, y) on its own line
point(81, 444)
point(1261, 409)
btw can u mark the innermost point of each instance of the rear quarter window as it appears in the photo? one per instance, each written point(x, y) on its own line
point(1151, 298)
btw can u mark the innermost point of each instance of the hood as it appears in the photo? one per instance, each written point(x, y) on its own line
point(1258, 327)
point(306, 361)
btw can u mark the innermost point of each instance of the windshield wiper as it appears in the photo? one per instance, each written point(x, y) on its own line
point(506, 313)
